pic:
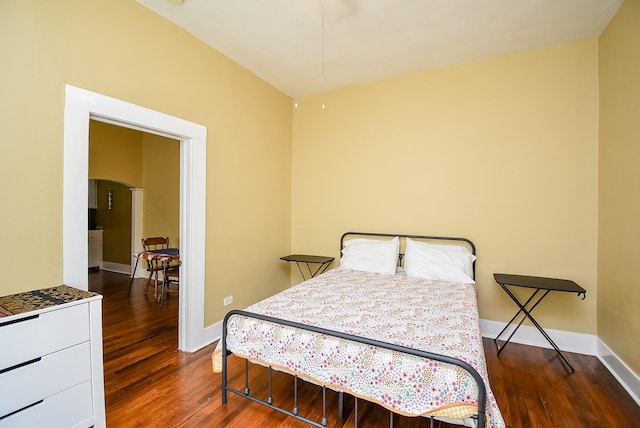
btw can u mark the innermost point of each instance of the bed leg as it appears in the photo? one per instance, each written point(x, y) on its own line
point(355, 411)
point(390, 419)
point(270, 399)
point(224, 378)
point(295, 396)
point(324, 407)
point(340, 404)
point(246, 377)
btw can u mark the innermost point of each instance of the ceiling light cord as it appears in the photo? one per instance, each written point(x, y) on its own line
point(297, 94)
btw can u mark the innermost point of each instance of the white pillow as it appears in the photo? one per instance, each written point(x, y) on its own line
point(371, 255)
point(452, 263)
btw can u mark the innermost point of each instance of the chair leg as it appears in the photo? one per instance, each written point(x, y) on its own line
point(148, 283)
point(166, 289)
point(155, 286)
point(162, 289)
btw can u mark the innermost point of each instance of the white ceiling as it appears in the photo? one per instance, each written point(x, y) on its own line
point(281, 41)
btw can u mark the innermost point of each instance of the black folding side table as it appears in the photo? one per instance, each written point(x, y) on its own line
point(323, 263)
point(540, 285)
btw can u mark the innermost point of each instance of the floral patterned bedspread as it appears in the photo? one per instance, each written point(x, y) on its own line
point(438, 317)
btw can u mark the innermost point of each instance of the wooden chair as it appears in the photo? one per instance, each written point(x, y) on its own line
point(172, 279)
point(154, 266)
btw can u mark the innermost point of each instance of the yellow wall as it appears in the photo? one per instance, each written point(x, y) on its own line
point(121, 49)
point(619, 221)
point(115, 153)
point(115, 223)
point(503, 151)
point(161, 184)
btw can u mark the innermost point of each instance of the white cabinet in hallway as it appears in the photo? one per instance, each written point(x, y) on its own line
point(95, 248)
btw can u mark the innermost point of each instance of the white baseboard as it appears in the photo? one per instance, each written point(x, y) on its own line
point(567, 341)
point(116, 267)
point(572, 342)
point(623, 374)
point(212, 333)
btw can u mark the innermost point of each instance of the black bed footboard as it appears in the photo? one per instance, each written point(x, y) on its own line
point(480, 417)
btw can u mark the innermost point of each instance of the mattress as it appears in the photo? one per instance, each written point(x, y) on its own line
point(433, 316)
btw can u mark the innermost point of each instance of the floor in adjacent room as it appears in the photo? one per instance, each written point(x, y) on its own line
point(148, 383)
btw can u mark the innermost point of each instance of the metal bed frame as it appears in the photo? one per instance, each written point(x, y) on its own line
point(480, 417)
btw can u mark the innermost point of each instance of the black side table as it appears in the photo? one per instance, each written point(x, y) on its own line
point(539, 284)
point(323, 263)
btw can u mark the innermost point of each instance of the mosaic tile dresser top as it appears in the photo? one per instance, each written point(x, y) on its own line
point(28, 301)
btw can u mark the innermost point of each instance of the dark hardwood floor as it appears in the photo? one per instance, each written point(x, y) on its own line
point(148, 383)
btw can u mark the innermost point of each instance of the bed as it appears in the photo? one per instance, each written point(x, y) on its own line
point(399, 329)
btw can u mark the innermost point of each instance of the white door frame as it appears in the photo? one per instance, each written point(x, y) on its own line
point(82, 105)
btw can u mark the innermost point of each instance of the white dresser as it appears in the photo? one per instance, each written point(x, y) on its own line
point(51, 359)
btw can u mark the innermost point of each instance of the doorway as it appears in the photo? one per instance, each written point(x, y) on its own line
point(132, 165)
point(81, 106)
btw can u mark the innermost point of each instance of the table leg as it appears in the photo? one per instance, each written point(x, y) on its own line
point(522, 308)
point(321, 269)
point(527, 314)
point(301, 272)
point(312, 273)
point(133, 275)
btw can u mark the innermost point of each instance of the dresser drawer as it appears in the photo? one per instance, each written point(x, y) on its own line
point(32, 337)
point(53, 373)
point(69, 408)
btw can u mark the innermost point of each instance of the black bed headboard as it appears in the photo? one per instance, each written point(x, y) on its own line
point(468, 242)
